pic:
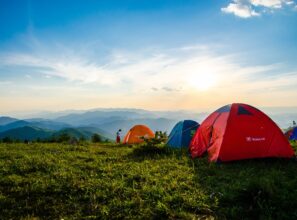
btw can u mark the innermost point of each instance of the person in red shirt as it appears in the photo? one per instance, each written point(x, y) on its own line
point(118, 139)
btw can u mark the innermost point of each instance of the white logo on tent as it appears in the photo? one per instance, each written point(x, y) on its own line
point(255, 139)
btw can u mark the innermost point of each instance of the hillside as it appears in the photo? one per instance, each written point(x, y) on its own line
point(6, 120)
point(34, 133)
point(99, 131)
point(40, 123)
point(78, 133)
point(14, 124)
point(47, 124)
point(27, 133)
point(54, 181)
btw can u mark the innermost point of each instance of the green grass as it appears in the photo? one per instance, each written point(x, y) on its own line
point(104, 181)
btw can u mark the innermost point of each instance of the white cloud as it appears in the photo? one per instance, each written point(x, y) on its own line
point(268, 3)
point(241, 10)
point(74, 69)
point(252, 8)
point(290, 2)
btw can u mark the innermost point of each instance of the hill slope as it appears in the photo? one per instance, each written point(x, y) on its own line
point(26, 133)
point(13, 125)
point(78, 133)
point(99, 131)
point(40, 123)
point(34, 133)
point(6, 120)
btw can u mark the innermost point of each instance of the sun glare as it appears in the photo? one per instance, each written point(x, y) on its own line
point(202, 81)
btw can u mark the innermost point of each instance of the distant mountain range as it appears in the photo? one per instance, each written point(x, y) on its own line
point(107, 121)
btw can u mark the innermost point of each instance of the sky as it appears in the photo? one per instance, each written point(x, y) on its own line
point(151, 54)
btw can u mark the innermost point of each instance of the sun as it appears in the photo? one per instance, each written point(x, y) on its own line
point(202, 81)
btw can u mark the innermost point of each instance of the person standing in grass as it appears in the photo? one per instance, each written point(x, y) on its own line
point(118, 139)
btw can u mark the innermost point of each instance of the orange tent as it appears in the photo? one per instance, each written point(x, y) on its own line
point(135, 134)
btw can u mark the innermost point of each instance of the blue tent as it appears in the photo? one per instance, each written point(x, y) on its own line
point(182, 133)
point(293, 134)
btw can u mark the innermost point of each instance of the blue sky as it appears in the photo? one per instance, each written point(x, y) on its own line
point(169, 54)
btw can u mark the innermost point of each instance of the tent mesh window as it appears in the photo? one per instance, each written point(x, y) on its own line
point(242, 111)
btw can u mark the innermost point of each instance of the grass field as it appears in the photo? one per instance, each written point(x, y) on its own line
point(103, 181)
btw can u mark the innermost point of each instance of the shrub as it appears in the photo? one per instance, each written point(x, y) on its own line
point(96, 138)
point(82, 139)
point(7, 140)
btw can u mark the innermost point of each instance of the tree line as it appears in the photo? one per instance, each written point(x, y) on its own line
point(61, 138)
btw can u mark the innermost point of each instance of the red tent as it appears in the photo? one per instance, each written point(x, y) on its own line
point(239, 131)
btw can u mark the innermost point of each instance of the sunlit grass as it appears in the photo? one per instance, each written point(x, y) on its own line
point(104, 181)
